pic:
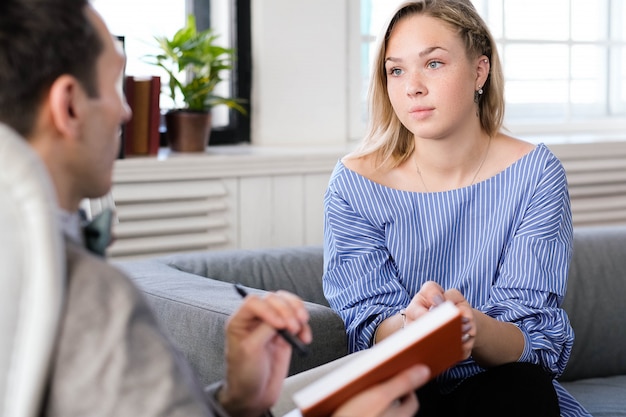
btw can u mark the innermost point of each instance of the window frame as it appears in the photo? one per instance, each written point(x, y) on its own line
point(237, 130)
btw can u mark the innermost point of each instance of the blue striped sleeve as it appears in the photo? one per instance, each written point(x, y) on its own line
point(532, 275)
point(360, 278)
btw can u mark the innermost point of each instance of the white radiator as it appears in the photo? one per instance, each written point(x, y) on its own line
point(596, 174)
point(166, 217)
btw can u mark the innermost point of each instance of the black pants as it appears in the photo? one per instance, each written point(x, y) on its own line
point(514, 389)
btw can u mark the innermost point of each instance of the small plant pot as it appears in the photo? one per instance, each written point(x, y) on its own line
point(188, 131)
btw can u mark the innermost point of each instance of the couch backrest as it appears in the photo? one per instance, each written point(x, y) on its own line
point(595, 303)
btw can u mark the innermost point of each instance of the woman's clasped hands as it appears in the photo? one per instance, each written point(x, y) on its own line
point(430, 296)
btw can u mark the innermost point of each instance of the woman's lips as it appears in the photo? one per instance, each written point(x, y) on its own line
point(421, 112)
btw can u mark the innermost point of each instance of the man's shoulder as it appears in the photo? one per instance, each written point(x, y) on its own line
point(89, 272)
point(109, 341)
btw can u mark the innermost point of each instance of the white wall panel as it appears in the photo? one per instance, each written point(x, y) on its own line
point(288, 210)
point(300, 78)
point(315, 184)
point(255, 212)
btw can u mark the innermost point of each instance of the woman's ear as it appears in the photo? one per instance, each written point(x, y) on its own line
point(65, 100)
point(483, 66)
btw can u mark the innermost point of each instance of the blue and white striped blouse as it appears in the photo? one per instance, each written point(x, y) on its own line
point(505, 243)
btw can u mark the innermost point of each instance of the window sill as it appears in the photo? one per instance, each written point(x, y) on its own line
point(227, 161)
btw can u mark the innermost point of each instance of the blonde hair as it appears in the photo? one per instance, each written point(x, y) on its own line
point(386, 136)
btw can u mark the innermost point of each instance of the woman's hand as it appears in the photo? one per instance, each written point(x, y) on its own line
point(468, 329)
point(431, 295)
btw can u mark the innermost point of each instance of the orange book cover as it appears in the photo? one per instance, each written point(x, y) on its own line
point(433, 340)
point(141, 116)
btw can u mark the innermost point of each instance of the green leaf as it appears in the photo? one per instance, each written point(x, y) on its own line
point(196, 56)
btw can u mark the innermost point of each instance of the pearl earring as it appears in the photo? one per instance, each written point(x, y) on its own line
point(477, 94)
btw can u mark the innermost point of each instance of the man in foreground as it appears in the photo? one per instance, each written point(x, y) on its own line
point(59, 90)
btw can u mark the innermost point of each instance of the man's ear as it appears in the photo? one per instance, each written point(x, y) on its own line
point(65, 100)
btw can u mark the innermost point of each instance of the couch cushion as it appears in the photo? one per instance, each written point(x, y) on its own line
point(595, 303)
point(602, 397)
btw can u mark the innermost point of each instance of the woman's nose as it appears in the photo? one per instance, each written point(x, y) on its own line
point(415, 85)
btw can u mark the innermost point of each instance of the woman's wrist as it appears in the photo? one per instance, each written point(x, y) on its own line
point(389, 325)
point(403, 315)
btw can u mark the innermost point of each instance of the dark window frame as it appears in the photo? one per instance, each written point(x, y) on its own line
point(238, 129)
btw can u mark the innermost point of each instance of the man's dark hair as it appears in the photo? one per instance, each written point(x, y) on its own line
point(41, 40)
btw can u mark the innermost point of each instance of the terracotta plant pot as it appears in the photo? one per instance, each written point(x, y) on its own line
point(188, 131)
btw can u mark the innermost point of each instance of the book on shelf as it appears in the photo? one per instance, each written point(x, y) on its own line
point(154, 118)
point(142, 130)
point(433, 340)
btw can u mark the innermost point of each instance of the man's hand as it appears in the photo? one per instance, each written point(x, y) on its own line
point(394, 397)
point(257, 358)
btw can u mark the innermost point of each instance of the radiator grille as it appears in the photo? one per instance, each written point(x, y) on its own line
point(596, 174)
point(167, 217)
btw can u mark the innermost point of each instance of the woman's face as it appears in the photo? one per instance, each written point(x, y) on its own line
point(430, 79)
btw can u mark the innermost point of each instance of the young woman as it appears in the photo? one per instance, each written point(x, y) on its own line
point(439, 204)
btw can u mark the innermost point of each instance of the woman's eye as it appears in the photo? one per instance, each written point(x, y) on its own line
point(434, 64)
point(395, 72)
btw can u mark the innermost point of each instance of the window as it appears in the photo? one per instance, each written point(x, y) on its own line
point(564, 61)
point(158, 18)
point(138, 21)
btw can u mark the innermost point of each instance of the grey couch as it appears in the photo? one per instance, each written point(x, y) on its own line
point(193, 308)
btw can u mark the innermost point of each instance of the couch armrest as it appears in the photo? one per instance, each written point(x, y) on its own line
point(296, 269)
point(192, 310)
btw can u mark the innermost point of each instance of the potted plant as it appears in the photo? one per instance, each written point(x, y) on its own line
point(194, 63)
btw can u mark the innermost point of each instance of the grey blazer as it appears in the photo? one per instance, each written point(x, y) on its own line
point(111, 359)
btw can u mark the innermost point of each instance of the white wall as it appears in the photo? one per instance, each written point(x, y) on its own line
point(300, 72)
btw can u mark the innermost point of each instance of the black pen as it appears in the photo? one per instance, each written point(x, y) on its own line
point(296, 343)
